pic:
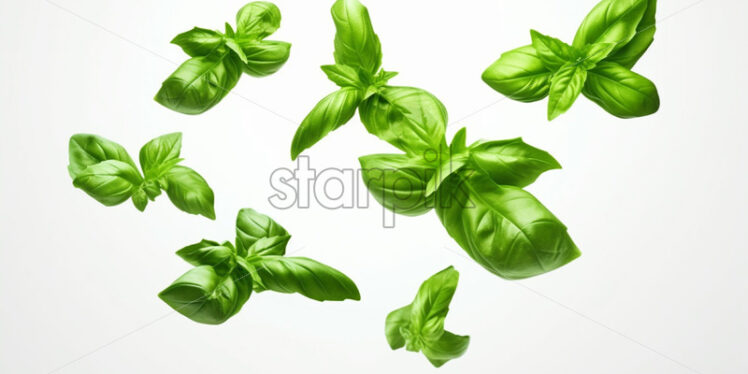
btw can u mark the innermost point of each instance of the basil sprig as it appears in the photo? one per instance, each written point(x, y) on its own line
point(105, 171)
point(226, 274)
point(608, 43)
point(419, 326)
point(218, 59)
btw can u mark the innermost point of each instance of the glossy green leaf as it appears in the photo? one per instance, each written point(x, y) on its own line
point(207, 252)
point(257, 20)
point(236, 49)
point(253, 227)
point(629, 54)
point(511, 162)
point(335, 110)
point(397, 321)
point(110, 182)
point(199, 42)
point(398, 182)
point(189, 192)
point(356, 44)
point(265, 57)
point(621, 92)
point(551, 51)
point(611, 21)
point(448, 347)
point(594, 53)
point(520, 75)
point(304, 276)
point(343, 75)
point(140, 199)
point(160, 154)
point(566, 85)
point(503, 228)
point(85, 150)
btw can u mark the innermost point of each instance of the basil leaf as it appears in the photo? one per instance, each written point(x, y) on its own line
point(257, 20)
point(342, 75)
point(610, 21)
point(634, 50)
point(198, 41)
point(459, 142)
point(304, 276)
point(448, 347)
point(160, 154)
point(356, 44)
point(621, 92)
point(594, 53)
point(236, 49)
point(452, 164)
point(551, 51)
point(566, 85)
point(333, 111)
point(207, 252)
point(189, 192)
point(397, 321)
point(110, 182)
point(199, 83)
point(265, 57)
point(269, 246)
point(204, 296)
point(411, 119)
point(398, 182)
point(511, 162)
point(520, 75)
point(85, 150)
point(252, 226)
point(503, 228)
point(140, 199)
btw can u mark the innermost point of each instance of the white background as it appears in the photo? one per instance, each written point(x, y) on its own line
point(657, 205)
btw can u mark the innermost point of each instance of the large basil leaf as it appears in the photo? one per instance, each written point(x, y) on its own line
point(335, 110)
point(356, 44)
point(258, 234)
point(199, 83)
point(511, 162)
point(398, 182)
point(198, 41)
point(110, 182)
point(551, 51)
point(411, 119)
point(503, 228)
point(448, 347)
point(634, 50)
point(520, 75)
point(566, 85)
point(257, 20)
point(85, 150)
point(160, 154)
point(204, 296)
point(188, 191)
point(304, 276)
point(611, 21)
point(265, 57)
point(620, 91)
point(207, 252)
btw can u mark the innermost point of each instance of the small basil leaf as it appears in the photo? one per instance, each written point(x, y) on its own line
point(189, 192)
point(511, 162)
point(252, 226)
point(398, 182)
point(342, 75)
point(139, 199)
point(236, 50)
point(85, 150)
point(397, 320)
point(594, 53)
point(199, 83)
point(257, 20)
point(265, 57)
point(110, 182)
point(520, 75)
point(431, 305)
point(198, 41)
point(551, 51)
point(160, 154)
point(269, 246)
point(306, 277)
point(448, 347)
point(356, 44)
point(410, 119)
point(634, 50)
point(566, 85)
point(503, 228)
point(459, 142)
point(204, 296)
point(620, 91)
point(335, 110)
point(229, 30)
point(450, 165)
point(209, 253)
point(610, 21)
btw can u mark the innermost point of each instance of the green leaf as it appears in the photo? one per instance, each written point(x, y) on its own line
point(566, 85)
point(551, 51)
point(236, 50)
point(252, 227)
point(448, 347)
point(257, 20)
point(594, 53)
point(611, 21)
point(204, 296)
point(634, 50)
point(189, 192)
point(397, 321)
point(410, 119)
point(356, 44)
point(503, 228)
point(110, 182)
point(511, 162)
point(343, 75)
point(265, 57)
point(304, 276)
point(199, 83)
point(398, 182)
point(333, 111)
point(520, 75)
point(198, 41)
point(140, 199)
point(160, 154)
point(621, 92)
point(447, 167)
point(459, 142)
point(85, 150)
point(207, 252)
